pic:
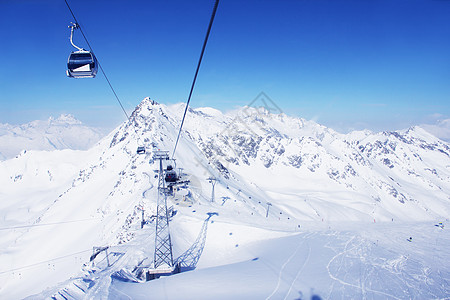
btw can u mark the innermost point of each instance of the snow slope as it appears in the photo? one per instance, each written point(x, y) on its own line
point(342, 209)
point(314, 264)
point(65, 132)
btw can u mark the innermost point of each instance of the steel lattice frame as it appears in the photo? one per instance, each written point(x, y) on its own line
point(163, 244)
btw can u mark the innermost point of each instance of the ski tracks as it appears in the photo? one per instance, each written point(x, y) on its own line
point(299, 272)
point(364, 289)
point(280, 274)
point(120, 292)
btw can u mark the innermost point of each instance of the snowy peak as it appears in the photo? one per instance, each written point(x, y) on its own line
point(64, 119)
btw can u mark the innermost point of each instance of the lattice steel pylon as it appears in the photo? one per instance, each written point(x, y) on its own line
point(163, 245)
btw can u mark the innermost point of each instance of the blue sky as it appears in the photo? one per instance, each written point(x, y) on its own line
point(354, 64)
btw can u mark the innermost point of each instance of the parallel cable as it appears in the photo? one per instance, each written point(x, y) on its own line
point(196, 73)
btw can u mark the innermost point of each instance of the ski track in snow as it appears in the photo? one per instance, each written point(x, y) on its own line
point(299, 271)
point(121, 293)
point(280, 274)
point(340, 266)
point(344, 283)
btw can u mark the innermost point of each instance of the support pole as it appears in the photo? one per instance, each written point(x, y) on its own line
point(268, 206)
point(213, 181)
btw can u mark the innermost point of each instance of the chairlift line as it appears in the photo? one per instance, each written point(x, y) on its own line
point(85, 61)
point(83, 64)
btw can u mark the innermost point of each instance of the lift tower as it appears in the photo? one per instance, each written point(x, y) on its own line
point(213, 181)
point(163, 246)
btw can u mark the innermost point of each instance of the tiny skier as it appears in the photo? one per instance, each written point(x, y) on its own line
point(440, 224)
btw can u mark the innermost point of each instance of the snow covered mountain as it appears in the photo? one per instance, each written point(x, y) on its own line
point(390, 174)
point(55, 206)
point(65, 132)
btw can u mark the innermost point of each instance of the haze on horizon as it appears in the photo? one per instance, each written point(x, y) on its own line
point(344, 64)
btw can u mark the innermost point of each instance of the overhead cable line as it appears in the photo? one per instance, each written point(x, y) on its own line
point(103, 71)
point(44, 262)
point(45, 224)
point(92, 50)
point(196, 72)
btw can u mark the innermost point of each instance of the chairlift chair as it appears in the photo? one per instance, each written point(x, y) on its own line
point(171, 174)
point(140, 150)
point(81, 63)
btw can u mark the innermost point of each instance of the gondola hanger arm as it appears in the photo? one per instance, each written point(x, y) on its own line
point(72, 28)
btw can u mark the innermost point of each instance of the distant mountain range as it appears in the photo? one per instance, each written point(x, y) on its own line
point(64, 132)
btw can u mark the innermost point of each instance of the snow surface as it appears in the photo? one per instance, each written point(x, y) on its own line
point(342, 209)
point(64, 132)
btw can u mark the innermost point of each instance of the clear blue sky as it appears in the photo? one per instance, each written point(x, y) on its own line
point(379, 64)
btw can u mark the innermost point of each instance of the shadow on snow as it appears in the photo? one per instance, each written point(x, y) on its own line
point(189, 259)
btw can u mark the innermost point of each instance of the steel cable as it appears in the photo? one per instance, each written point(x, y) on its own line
point(196, 72)
point(103, 71)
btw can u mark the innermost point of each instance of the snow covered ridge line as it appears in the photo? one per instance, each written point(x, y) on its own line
point(267, 148)
point(64, 132)
point(260, 107)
